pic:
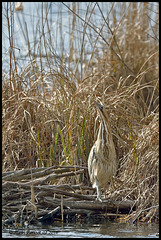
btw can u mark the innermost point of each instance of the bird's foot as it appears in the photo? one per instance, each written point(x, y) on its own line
point(98, 199)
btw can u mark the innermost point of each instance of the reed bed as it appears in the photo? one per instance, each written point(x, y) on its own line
point(48, 112)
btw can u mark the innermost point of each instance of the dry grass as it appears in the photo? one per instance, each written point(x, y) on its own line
point(48, 114)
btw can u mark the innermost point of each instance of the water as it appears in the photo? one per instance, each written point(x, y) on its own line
point(105, 230)
point(32, 20)
point(30, 25)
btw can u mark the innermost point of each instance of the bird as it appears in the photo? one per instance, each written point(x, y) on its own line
point(102, 162)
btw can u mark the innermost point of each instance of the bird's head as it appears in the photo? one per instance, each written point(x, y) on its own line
point(102, 111)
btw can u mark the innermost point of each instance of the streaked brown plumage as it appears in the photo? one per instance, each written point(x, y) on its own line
point(102, 164)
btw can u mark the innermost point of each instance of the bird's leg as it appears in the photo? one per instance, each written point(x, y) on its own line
point(98, 191)
point(112, 184)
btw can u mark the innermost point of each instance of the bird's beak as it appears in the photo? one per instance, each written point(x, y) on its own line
point(100, 107)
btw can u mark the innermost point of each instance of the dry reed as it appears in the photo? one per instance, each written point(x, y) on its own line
point(48, 113)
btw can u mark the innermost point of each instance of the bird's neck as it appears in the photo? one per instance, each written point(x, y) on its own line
point(101, 138)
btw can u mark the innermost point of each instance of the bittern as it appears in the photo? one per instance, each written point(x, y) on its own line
point(102, 164)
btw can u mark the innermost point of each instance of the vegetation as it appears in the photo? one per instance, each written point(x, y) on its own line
point(48, 111)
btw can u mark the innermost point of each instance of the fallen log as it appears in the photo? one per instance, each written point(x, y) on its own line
point(28, 195)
